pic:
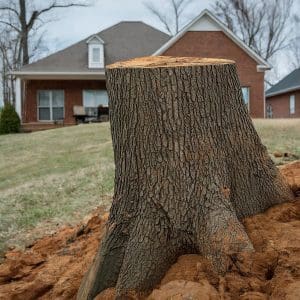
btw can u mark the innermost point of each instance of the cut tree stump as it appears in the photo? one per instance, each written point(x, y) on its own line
point(189, 167)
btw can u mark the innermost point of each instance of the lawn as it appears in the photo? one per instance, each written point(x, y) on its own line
point(52, 177)
point(58, 176)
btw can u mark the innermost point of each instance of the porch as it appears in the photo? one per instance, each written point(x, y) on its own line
point(38, 126)
point(47, 104)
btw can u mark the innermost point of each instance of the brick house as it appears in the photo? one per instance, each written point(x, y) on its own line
point(283, 99)
point(48, 90)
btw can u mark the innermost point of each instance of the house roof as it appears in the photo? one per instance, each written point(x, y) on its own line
point(122, 41)
point(213, 23)
point(289, 83)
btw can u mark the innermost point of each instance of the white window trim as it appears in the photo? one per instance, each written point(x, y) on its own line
point(50, 105)
point(292, 100)
point(97, 64)
point(249, 96)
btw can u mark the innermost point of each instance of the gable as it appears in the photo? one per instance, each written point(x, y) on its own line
point(95, 39)
point(211, 44)
point(208, 22)
point(205, 24)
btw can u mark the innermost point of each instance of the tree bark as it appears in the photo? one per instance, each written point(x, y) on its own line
point(189, 167)
point(24, 32)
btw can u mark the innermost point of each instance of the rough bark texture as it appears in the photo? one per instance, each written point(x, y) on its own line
point(189, 167)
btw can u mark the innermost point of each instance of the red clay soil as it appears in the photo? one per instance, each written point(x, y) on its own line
point(53, 267)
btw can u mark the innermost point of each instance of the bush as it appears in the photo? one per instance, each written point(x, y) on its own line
point(9, 120)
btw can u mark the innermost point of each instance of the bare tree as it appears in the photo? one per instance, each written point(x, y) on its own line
point(294, 53)
point(294, 45)
point(21, 39)
point(9, 60)
point(172, 17)
point(261, 24)
point(25, 16)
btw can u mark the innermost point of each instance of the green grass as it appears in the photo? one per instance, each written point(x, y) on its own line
point(53, 177)
point(58, 176)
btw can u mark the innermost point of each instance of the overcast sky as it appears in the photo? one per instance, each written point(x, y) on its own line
point(77, 23)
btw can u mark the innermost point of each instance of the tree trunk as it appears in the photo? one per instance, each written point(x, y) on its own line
point(189, 167)
point(24, 32)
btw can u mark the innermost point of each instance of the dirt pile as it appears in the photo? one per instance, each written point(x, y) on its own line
point(53, 267)
point(291, 173)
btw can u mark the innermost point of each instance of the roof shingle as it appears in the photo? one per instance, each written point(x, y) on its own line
point(123, 41)
point(288, 83)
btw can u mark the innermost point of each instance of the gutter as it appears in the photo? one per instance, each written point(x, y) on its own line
point(263, 68)
point(20, 73)
point(291, 89)
point(59, 75)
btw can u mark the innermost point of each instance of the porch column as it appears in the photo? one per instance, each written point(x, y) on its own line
point(18, 86)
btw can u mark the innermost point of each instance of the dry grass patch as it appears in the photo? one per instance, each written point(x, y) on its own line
point(280, 135)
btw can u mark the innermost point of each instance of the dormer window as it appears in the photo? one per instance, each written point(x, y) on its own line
point(96, 52)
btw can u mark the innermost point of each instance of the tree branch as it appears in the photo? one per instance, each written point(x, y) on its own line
point(54, 6)
point(36, 14)
point(11, 25)
point(159, 15)
point(260, 24)
point(172, 19)
point(10, 9)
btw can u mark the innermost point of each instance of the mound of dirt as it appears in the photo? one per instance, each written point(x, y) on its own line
point(53, 267)
point(291, 172)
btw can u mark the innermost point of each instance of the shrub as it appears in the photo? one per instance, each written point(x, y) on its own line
point(9, 120)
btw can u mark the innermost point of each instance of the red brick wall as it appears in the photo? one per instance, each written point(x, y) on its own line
point(73, 90)
point(281, 105)
point(216, 44)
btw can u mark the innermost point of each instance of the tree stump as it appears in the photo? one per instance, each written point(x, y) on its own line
point(189, 167)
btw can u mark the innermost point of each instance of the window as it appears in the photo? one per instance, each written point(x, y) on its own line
point(96, 56)
point(50, 105)
point(92, 99)
point(292, 104)
point(269, 111)
point(246, 95)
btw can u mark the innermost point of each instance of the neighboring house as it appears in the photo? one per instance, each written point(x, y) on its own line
point(283, 99)
point(207, 36)
point(49, 89)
